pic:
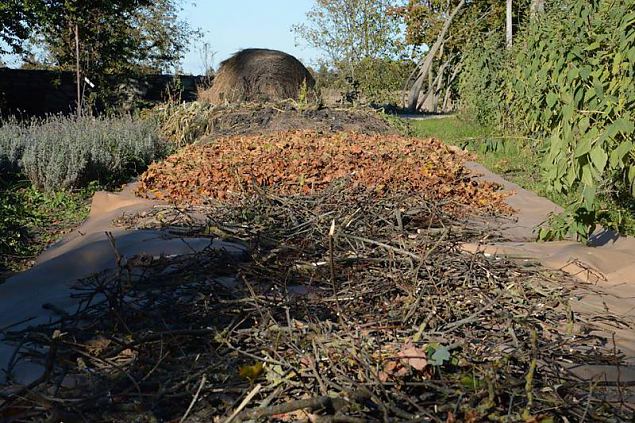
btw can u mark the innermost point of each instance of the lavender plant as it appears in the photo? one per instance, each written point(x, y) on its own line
point(58, 153)
point(12, 141)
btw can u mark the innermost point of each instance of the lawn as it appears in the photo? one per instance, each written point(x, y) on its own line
point(517, 159)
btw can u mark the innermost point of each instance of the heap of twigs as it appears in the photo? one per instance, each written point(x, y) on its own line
point(349, 308)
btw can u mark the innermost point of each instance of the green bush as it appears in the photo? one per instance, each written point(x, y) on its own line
point(12, 227)
point(60, 153)
point(481, 81)
point(379, 81)
point(30, 219)
point(572, 80)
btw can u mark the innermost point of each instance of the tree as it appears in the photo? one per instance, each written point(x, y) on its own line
point(115, 35)
point(349, 31)
point(446, 28)
point(425, 65)
point(16, 16)
point(98, 38)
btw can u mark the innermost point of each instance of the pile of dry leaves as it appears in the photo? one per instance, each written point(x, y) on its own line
point(306, 161)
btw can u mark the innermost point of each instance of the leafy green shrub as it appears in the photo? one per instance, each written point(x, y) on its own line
point(481, 80)
point(12, 227)
point(381, 80)
point(570, 80)
point(30, 219)
point(573, 80)
point(59, 153)
point(377, 80)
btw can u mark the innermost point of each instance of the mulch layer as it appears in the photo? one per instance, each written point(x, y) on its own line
point(306, 161)
point(350, 305)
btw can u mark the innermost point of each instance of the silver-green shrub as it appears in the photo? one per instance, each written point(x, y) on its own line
point(12, 142)
point(68, 152)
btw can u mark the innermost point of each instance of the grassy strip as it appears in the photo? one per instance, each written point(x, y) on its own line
point(516, 159)
point(30, 220)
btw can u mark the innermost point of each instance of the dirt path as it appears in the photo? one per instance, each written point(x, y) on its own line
point(606, 269)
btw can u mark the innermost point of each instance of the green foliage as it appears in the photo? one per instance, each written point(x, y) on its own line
point(381, 80)
point(14, 234)
point(517, 159)
point(378, 81)
point(452, 130)
point(569, 79)
point(116, 37)
point(30, 219)
point(572, 80)
point(349, 31)
point(59, 153)
point(481, 81)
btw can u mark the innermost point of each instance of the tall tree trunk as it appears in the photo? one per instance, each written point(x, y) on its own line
point(448, 87)
point(424, 68)
point(509, 23)
point(437, 89)
point(432, 85)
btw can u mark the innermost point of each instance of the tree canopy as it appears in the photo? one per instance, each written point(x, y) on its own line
point(115, 35)
point(349, 31)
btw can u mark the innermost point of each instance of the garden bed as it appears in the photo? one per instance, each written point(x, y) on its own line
point(352, 307)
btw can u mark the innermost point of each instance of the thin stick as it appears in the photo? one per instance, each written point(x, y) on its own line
point(243, 404)
point(331, 254)
point(198, 392)
point(384, 245)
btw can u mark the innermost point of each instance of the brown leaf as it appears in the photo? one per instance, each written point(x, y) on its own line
point(413, 356)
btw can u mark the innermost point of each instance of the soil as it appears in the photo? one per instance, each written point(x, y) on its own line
point(273, 118)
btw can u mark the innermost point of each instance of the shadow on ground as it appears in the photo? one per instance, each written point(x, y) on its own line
point(344, 307)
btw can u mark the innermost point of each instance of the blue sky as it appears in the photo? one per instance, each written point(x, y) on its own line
point(229, 26)
point(233, 25)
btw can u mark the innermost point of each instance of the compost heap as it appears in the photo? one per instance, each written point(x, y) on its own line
point(306, 161)
point(185, 123)
point(256, 74)
point(352, 307)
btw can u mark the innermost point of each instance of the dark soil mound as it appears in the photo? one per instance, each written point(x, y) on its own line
point(273, 119)
point(183, 124)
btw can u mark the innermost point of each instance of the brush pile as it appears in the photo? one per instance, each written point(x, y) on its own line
point(352, 307)
point(183, 124)
point(306, 161)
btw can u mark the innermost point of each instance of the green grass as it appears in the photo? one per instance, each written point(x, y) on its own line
point(518, 160)
point(30, 220)
point(450, 129)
